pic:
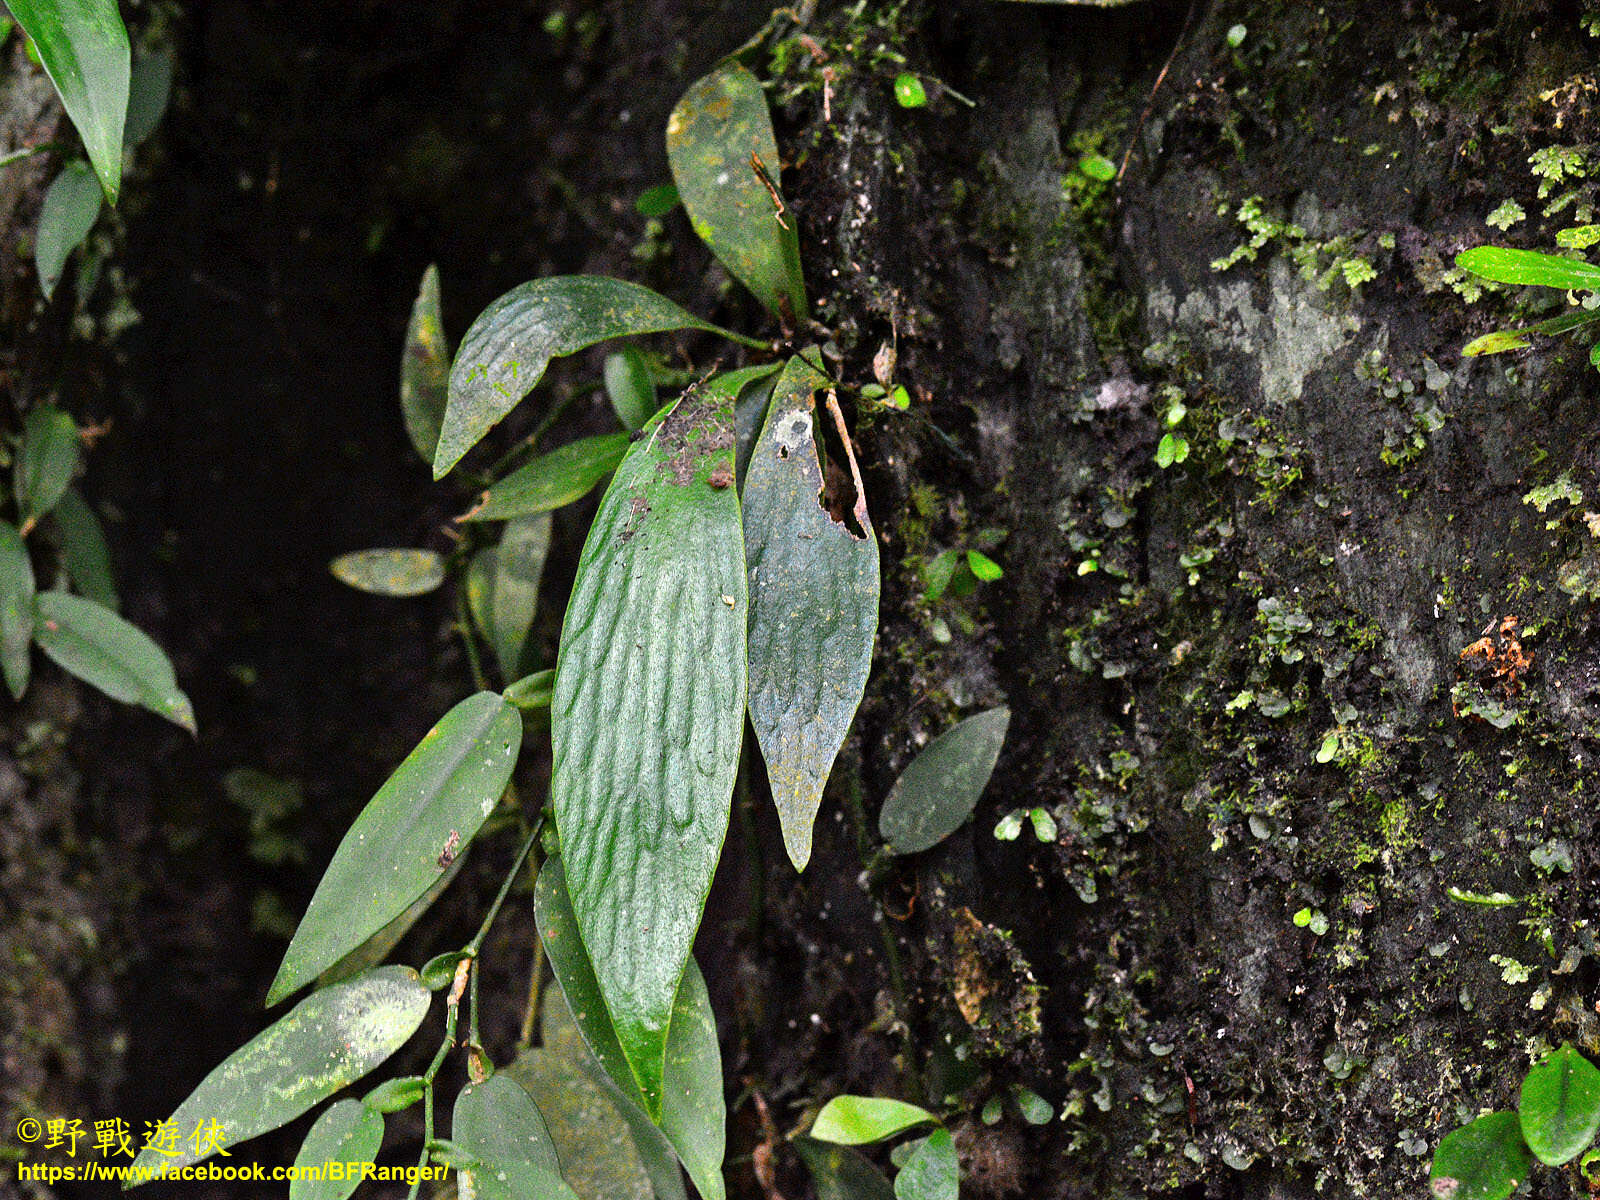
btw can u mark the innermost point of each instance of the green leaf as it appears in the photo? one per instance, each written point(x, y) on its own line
point(514, 598)
point(937, 573)
point(70, 209)
point(377, 947)
point(717, 128)
point(1482, 1161)
point(84, 553)
point(508, 347)
point(407, 836)
point(657, 201)
point(328, 1041)
point(425, 368)
point(753, 387)
point(346, 1132)
point(603, 1155)
point(498, 1122)
point(1502, 340)
point(631, 388)
point(83, 47)
point(983, 567)
point(1560, 1106)
point(859, 1120)
point(649, 713)
point(480, 592)
point(439, 972)
point(842, 1173)
point(909, 92)
point(933, 1172)
point(100, 648)
point(532, 691)
point(1528, 267)
point(1098, 167)
point(390, 572)
point(16, 609)
point(149, 91)
point(941, 787)
point(397, 1095)
point(513, 1180)
point(552, 480)
point(813, 607)
point(46, 462)
point(693, 1115)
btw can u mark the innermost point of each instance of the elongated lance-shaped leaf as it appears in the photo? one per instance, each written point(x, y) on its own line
point(648, 713)
point(1529, 267)
point(84, 552)
point(551, 480)
point(694, 1114)
point(100, 648)
point(70, 209)
point(326, 1042)
point(518, 565)
point(943, 784)
point(346, 1132)
point(46, 462)
point(407, 836)
point(497, 1121)
point(1502, 340)
point(813, 606)
point(861, 1120)
point(83, 45)
point(16, 609)
point(425, 368)
point(725, 161)
point(508, 347)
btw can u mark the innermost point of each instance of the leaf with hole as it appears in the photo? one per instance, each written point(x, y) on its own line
point(83, 46)
point(941, 787)
point(861, 1120)
point(725, 161)
point(649, 713)
point(813, 605)
point(84, 553)
point(933, 1172)
point(346, 1132)
point(693, 1115)
point(630, 387)
point(1502, 264)
point(508, 347)
point(407, 836)
point(16, 609)
point(497, 1122)
point(90, 641)
point(425, 368)
point(514, 597)
point(1482, 1161)
point(48, 457)
point(1559, 1107)
point(70, 209)
point(326, 1042)
point(551, 480)
point(399, 572)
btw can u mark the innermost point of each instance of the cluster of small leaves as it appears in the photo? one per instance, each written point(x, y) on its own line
point(1557, 1117)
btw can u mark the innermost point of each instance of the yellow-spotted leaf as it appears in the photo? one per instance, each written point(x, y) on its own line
point(90, 641)
point(326, 1042)
point(408, 835)
point(425, 368)
point(648, 715)
point(725, 161)
point(1529, 267)
point(390, 572)
point(813, 606)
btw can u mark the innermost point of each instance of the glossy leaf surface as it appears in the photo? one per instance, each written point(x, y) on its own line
point(861, 1120)
point(508, 347)
point(1528, 267)
point(83, 45)
point(71, 207)
point(941, 787)
point(328, 1041)
point(813, 607)
point(720, 145)
point(399, 572)
point(1559, 1107)
point(648, 715)
point(498, 1122)
point(1482, 1161)
point(16, 610)
point(552, 480)
point(347, 1132)
point(407, 836)
point(425, 368)
point(100, 648)
point(694, 1113)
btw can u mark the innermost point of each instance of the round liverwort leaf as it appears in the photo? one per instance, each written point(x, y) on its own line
point(1482, 1161)
point(1560, 1106)
point(909, 92)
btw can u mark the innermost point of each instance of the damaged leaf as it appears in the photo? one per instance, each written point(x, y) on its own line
point(725, 161)
point(813, 606)
point(648, 715)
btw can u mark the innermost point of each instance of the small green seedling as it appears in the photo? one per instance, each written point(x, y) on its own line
point(929, 1168)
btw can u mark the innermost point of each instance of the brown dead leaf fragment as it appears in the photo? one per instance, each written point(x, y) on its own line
point(1499, 652)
